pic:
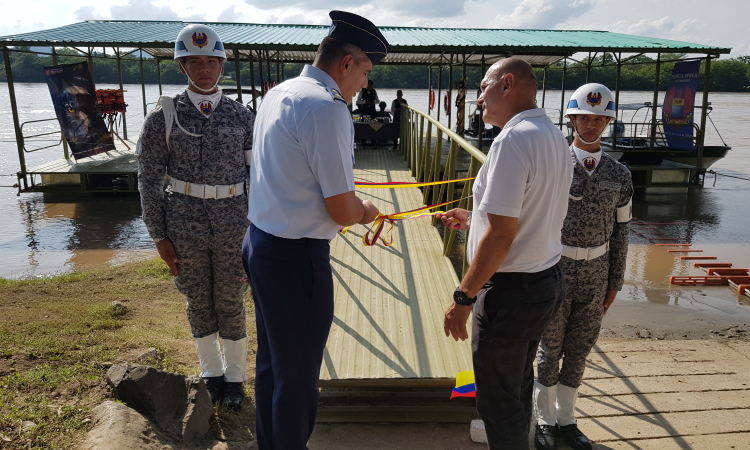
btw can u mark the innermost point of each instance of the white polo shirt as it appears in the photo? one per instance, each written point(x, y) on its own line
point(527, 174)
point(303, 153)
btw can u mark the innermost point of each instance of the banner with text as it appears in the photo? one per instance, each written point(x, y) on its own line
point(677, 112)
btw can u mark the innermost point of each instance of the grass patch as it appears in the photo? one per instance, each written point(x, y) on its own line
point(56, 333)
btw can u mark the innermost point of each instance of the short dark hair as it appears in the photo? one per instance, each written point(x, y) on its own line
point(330, 51)
point(382, 105)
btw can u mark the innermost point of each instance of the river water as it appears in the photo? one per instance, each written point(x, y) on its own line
point(45, 234)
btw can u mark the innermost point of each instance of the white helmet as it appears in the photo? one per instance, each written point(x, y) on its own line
point(592, 98)
point(196, 39)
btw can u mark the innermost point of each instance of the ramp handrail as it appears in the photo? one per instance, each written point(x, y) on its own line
point(424, 160)
point(57, 142)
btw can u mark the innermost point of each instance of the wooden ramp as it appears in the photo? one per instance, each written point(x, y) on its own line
point(388, 320)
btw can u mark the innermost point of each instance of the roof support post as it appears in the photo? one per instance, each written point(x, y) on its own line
point(260, 72)
point(64, 141)
point(14, 111)
point(252, 81)
point(440, 90)
point(158, 73)
point(704, 114)
point(562, 93)
point(588, 69)
point(480, 131)
point(617, 98)
point(544, 86)
point(119, 78)
point(655, 103)
point(237, 73)
point(429, 88)
point(450, 90)
point(143, 83)
point(283, 77)
point(463, 75)
point(268, 68)
point(91, 64)
point(278, 72)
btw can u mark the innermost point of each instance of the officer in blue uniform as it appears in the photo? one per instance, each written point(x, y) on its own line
point(301, 192)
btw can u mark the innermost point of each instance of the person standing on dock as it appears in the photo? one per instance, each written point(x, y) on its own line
point(202, 140)
point(515, 282)
point(301, 192)
point(595, 248)
point(396, 106)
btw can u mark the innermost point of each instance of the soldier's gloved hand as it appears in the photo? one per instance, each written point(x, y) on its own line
point(167, 253)
point(609, 299)
point(454, 219)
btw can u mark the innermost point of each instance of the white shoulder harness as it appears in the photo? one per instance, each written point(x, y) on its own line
point(170, 116)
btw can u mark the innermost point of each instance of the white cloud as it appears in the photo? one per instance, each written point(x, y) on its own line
point(230, 15)
point(542, 14)
point(138, 10)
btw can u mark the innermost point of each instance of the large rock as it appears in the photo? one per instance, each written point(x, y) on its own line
point(195, 423)
point(117, 427)
point(160, 396)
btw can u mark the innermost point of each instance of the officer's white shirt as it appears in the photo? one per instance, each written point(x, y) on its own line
point(303, 153)
point(588, 160)
point(527, 174)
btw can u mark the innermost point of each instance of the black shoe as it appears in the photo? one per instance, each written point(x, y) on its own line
point(575, 438)
point(233, 396)
point(544, 437)
point(214, 385)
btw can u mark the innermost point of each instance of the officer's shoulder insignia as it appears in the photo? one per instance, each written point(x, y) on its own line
point(337, 95)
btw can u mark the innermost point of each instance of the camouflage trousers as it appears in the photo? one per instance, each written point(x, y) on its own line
point(574, 330)
point(207, 237)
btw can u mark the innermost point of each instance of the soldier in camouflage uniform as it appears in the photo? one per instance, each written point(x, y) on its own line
point(595, 245)
point(201, 140)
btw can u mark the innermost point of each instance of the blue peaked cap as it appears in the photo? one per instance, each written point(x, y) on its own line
point(357, 30)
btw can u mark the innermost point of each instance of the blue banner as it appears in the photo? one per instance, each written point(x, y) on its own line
point(678, 111)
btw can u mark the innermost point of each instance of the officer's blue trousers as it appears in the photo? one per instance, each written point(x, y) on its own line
point(292, 289)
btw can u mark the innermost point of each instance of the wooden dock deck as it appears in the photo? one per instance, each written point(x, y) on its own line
point(389, 301)
point(114, 171)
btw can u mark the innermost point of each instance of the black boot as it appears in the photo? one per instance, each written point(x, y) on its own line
point(233, 396)
point(575, 438)
point(215, 386)
point(544, 437)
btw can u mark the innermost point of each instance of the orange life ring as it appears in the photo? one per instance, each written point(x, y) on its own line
point(432, 99)
point(447, 103)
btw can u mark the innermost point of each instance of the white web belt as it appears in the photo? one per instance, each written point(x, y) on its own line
point(579, 253)
point(206, 190)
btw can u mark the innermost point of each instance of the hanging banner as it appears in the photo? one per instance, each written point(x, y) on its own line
point(677, 112)
point(74, 98)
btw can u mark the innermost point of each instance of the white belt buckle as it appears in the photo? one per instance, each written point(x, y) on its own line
point(582, 253)
point(209, 191)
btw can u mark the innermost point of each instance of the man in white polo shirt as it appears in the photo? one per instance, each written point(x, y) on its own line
point(515, 283)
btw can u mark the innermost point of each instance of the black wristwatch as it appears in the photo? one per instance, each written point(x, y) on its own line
point(461, 298)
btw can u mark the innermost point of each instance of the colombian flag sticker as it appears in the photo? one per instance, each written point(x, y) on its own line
point(464, 385)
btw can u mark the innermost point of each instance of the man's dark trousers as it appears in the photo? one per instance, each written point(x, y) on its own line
point(509, 316)
point(292, 288)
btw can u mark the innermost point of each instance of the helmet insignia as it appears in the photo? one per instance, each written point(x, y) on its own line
point(594, 99)
point(206, 107)
point(200, 40)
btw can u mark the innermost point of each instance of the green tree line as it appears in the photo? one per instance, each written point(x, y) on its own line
point(728, 75)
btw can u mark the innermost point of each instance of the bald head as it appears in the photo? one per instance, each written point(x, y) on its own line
point(508, 88)
point(522, 72)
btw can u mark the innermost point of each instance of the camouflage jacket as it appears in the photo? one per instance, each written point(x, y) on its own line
point(592, 212)
point(215, 158)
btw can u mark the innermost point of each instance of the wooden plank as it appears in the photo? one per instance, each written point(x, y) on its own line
point(390, 301)
point(121, 160)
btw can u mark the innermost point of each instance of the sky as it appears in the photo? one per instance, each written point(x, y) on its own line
point(718, 22)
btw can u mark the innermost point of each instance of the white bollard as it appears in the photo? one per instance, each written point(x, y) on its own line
point(478, 434)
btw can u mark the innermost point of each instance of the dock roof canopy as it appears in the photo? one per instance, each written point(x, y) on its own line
point(409, 45)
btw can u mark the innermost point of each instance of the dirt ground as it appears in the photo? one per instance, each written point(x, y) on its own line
point(661, 377)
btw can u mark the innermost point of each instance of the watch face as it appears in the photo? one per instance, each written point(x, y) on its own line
point(461, 298)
